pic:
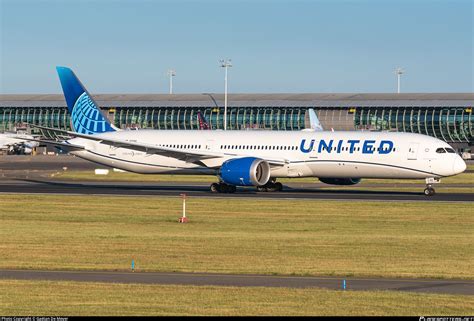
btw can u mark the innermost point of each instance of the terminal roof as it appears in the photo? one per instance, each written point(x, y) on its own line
point(252, 100)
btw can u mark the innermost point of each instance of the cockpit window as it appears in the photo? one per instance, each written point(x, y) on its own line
point(450, 150)
point(440, 150)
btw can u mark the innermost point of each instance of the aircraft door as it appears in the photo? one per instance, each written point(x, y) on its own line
point(210, 145)
point(413, 151)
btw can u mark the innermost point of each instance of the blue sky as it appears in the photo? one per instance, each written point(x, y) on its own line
point(126, 46)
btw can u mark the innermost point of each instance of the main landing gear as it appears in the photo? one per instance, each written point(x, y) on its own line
point(429, 190)
point(271, 186)
point(222, 188)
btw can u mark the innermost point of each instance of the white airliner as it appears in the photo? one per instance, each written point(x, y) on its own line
point(253, 158)
point(14, 142)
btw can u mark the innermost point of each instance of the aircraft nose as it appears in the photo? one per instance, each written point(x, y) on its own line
point(459, 165)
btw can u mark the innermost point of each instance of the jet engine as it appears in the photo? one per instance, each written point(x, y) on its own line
point(340, 181)
point(246, 171)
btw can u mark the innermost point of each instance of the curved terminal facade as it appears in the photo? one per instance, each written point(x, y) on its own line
point(446, 116)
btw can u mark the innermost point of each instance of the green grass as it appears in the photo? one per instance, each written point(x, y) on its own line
point(74, 298)
point(335, 238)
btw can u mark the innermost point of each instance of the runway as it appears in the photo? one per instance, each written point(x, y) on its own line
point(27, 174)
point(43, 186)
point(464, 287)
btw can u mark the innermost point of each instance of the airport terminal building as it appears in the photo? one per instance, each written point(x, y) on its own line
point(446, 116)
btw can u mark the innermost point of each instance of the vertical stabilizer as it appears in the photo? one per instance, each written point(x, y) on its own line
point(312, 122)
point(86, 117)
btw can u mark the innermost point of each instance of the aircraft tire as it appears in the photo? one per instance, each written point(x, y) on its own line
point(215, 188)
point(270, 187)
point(223, 188)
point(429, 191)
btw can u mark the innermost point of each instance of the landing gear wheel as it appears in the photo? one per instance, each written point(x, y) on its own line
point(429, 191)
point(215, 188)
point(271, 186)
point(223, 188)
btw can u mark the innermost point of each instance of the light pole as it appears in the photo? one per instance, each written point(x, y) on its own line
point(171, 74)
point(399, 73)
point(225, 63)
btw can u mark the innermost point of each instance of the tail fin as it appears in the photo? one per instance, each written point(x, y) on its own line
point(312, 122)
point(202, 121)
point(86, 117)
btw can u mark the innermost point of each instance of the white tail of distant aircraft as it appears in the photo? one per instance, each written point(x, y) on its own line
point(313, 121)
point(253, 158)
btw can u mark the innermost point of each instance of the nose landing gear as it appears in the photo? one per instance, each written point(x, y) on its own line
point(429, 190)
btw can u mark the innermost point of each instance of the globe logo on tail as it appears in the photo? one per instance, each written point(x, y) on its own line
point(87, 118)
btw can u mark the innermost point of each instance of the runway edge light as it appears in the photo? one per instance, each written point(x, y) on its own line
point(183, 219)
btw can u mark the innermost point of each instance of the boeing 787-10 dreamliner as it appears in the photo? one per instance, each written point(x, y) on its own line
point(252, 158)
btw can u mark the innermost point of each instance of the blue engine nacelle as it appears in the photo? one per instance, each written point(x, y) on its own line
point(340, 181)
point(246, 171)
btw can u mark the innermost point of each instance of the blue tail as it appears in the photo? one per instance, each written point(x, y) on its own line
point(86, 117)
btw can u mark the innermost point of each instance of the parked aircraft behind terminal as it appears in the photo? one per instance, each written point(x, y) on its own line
point(253, 158)
point(314, 123)
point(203, 124)
point(17, 143)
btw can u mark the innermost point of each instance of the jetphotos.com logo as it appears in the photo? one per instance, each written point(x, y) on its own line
point(446, 318)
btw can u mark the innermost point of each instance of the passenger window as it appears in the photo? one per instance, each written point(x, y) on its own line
point(440, 151)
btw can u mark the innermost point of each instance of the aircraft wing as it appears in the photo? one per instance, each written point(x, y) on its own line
point(187, 156)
